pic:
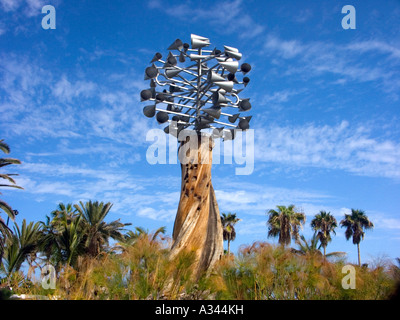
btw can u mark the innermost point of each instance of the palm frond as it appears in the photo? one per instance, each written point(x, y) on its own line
point(285, 223)
point(4, 147)
point(337, 254)
point(7, 209)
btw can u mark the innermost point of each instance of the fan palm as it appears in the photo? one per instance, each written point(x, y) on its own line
point(285, 223)
point(228, 222)
point(355, 224)
point(97, 231)
point(324, 223)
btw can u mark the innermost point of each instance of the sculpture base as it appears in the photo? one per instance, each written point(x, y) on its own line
point(197, 226)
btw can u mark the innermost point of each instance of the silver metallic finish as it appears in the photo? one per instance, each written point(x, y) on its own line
point(199, 86)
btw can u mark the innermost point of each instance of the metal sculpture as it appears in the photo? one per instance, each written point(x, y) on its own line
point(195, 90)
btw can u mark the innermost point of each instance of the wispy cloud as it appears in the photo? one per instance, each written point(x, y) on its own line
point(256, 199)
point(303, 15)
point(34, 7)
point(228, 16)
point(10, 5)
point(29, 8)
point(278, 96)
point(20, 16)
point(375, 46)
point(131, 194)
point(251, 226)
point(317, 58)
point(385, 221)
point(343, 147)
point(285, 48)
point(65, 90)
point(40, 103)
point(159, 215)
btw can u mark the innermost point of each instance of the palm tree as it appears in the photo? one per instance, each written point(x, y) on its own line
point(71, 240)
point(285, 223)
point(97, 231)
point(324, 223)
point(4, 230)
point(132, 236)
point(62, 240)
point(23, 242)
point(355, 223)
point(229, 234)
point(63, 212)
point(312, 247)
point(305, 247)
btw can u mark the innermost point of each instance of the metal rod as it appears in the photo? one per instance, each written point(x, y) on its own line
point(189, 86)
point(178, 113)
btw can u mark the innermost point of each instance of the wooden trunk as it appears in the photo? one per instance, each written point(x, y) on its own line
point(197, 224)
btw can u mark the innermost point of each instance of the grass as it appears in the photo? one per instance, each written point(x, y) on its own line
point(259, 272)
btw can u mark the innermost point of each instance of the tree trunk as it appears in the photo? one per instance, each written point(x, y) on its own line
point(359, 256)
point(324, 252)
point(229, 247)
point(197, 224)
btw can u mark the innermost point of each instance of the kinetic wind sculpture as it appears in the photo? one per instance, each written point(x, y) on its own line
point(196, 88)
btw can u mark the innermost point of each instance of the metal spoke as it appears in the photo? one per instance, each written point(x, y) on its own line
point(192, 84)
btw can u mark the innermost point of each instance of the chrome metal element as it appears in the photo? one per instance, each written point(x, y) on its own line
point(197, 87)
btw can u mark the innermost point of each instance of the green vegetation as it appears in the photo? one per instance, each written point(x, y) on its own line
point(324, 223)
point(261, 271)
point(4, 206)
point(355, 224)
point(228, 228)
point(76, 240)
point(285, 223)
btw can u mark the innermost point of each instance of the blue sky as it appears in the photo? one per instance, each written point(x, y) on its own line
point(325, 110)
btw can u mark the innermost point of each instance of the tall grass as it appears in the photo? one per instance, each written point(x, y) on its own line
point(259, 272)
point(266, 272)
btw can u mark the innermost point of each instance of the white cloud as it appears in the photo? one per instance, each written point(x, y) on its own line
point(251, 226)
point(28, 8)
point(303, 15)
point(316, 58)
point(39, 103)
point(3, 28)
point(131, 194)
point(390, 223)
point(158, 215)
point(65, 90)
point(287, 48)
point(21, 78)
point(257, 199)
point(343, 147)
point(227, 16)
point(34, 7)
point(278, 97)
point(47, 187)
point(387, 221)
point(10, 5)
point(375, 46)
